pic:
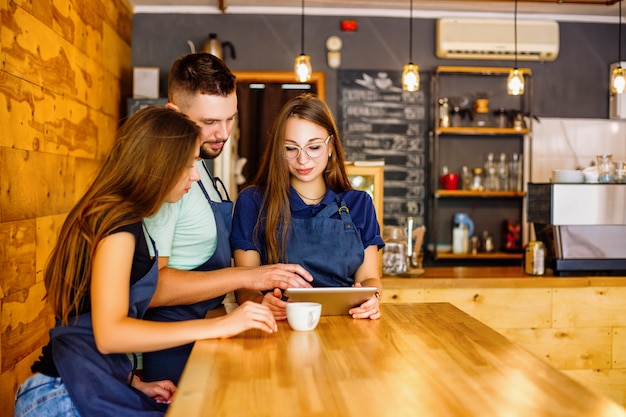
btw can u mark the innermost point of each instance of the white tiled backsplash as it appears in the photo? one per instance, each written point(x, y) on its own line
point(574, 143)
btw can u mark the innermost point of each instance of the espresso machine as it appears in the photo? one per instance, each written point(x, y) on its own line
point(582, 225)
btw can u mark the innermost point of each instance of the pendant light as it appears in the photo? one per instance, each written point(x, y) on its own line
point(410, 72)
point(618, 75)
point(302, 67)
point(515, 82)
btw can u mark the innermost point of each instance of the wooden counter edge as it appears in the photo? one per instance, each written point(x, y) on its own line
point(497, 277)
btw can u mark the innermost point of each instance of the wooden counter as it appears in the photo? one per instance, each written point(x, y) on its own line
point(577, 324)
point(495, 277)
point(418, 360)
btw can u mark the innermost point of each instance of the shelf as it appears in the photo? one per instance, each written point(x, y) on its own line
point(471, 130)
point(466, 144)
point(489, 256)
point(478, 194)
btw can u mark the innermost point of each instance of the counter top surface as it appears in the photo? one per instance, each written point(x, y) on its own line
point(495, 277)
point(427, 359)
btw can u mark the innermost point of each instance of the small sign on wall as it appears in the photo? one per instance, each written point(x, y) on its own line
point(146, 82)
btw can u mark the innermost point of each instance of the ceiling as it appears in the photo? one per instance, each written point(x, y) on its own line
point(581, 9)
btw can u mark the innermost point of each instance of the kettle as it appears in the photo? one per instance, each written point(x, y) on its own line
point(213, 46)
point(461, 232)
point(464, 218)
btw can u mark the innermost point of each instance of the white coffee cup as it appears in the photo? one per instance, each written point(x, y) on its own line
point(303, 315)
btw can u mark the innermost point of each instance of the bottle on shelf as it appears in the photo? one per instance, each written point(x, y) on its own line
point(487, 243)
point(460, 238)
point(515, 173)
point(503, 173)
point(466, 178)
point(491, 176)
point(444, 112)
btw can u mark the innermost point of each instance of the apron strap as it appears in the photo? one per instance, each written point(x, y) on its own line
point(216, 181)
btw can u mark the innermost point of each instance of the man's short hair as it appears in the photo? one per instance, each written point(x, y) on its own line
point(199, 73)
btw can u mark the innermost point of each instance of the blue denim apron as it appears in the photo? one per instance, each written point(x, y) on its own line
point(97, 383)
point(330, 249)
point(169, 363)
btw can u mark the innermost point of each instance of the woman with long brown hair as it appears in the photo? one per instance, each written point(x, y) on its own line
point(100, 279)
point(302, 209)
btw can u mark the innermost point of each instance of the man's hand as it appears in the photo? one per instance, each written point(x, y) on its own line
point(283, 276)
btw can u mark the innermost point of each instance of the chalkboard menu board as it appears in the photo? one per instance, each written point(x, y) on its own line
point(377, 120)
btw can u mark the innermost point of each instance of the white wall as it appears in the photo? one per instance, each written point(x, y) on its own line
point(559, 143)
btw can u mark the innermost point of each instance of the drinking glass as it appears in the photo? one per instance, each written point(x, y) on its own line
point(606, 168)
point(620, 172)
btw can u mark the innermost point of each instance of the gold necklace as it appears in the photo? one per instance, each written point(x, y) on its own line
point(308, 198)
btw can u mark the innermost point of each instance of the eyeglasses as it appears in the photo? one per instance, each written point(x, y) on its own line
point(312, 150)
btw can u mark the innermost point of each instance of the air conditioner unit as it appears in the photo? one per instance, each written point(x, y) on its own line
point(470, 38)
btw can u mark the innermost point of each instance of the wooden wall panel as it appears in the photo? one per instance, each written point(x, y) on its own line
point(17, 256)
point(588, 307)
point(34, 184)
point(47, 232)
point(26, 320)
point(619, 347)
point(64, 78)
point(403, 296)
point(608, 382)
point(500, 307)
point(48, 122)
point(575, 348)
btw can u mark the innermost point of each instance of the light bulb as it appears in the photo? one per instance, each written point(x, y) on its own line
point(618, 80)
point(515, 83)
point(410, 77)
point(302, 68)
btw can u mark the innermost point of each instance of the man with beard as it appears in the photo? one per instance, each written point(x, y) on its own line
point(193, 235)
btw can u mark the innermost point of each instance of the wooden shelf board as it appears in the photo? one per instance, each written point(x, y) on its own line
point(478, 194)
point(475, 130)
point(495, 255)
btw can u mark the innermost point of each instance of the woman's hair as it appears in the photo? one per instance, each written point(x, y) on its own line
point(273, 176)
point(199, 73)
point(148, 157)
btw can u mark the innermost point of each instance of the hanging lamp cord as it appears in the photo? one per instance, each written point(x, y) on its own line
point(411, 34)
point(619, 37)
point(515, 25)
point(302, 31)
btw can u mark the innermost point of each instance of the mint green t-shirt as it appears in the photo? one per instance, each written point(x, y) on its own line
point(185, 231)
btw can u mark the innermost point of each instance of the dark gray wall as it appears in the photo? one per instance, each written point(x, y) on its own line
point(575, 85)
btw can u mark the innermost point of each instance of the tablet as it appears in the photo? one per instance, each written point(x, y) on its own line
point(336, 301)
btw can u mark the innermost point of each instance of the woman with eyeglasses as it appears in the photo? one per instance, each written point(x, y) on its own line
point(301, 208)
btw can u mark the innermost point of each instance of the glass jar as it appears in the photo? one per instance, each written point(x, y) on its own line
point(477, 179)
point(395, 250)
point(606, 168)
point(481, 112)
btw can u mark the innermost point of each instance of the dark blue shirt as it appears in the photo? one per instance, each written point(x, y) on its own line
point(248, 205)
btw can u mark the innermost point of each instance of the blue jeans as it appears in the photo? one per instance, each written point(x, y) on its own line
point(43, 396)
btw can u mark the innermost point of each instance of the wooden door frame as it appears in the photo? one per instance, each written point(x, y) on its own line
point(317, 78)
point(224, 166)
